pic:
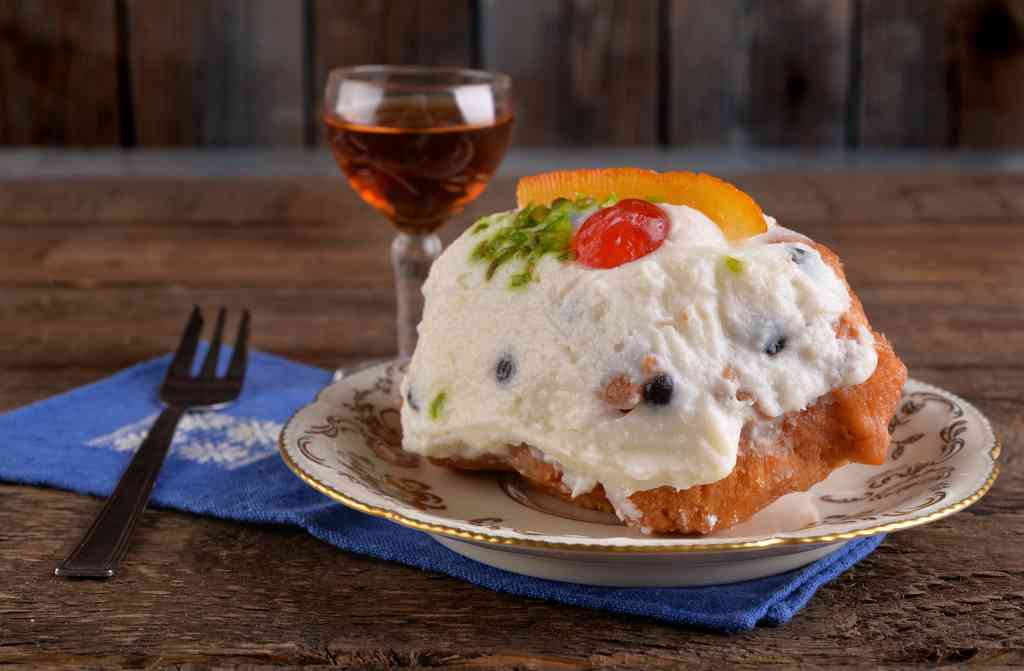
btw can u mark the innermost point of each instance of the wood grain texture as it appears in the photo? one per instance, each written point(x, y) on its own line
point(58, 73)
point(583, 71)
point(98, 274)
point(942, 73)
point(798, 73)
point(216, 594)
point(759, 73)
point(905, 94)
point(816, 73)
point(708, 67)
point(988, 51)
point(216, 72)
point(420, 32)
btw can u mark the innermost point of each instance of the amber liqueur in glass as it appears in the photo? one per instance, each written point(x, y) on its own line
point(418, 166)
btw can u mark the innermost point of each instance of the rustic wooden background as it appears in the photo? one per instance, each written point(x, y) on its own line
point(99, 272)
point(821, 73)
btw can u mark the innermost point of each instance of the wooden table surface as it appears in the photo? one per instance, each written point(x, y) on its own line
point(98, 274)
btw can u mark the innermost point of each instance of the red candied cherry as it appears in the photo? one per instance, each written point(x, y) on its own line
point(624, 232)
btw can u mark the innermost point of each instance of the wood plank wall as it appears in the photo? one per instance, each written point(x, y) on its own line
point(818, 73)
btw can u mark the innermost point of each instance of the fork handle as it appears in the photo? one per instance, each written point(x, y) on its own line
point(100, 551)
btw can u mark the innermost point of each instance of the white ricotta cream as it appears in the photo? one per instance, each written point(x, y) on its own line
point(497, 366)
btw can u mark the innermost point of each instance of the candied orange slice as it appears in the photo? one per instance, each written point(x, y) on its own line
point(735, 212)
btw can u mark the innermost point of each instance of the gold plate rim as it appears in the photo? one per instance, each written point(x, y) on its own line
point(771, 542)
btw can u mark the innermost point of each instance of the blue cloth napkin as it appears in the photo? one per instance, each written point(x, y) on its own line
point(225, 464)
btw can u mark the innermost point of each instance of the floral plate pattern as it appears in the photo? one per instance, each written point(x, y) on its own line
point(347, 444)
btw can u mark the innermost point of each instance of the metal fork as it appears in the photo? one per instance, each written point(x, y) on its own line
point(103, 546)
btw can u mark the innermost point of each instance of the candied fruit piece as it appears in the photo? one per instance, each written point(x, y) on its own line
point(619, 234)
point(621, 393)
point(732, 210)
point(437, 405)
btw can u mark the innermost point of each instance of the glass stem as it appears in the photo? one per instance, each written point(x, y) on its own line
point(411, 256)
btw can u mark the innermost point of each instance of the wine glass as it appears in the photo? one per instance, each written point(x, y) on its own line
point(418, 144)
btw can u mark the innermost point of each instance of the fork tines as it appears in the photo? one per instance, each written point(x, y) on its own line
point(179, 373)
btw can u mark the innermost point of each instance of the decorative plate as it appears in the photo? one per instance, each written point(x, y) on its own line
point(347, 444)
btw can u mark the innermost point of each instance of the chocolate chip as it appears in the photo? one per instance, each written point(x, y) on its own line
point(797, 254)
point(775, 345)
point(658, 389)
point(411, 400)
point(505, 370)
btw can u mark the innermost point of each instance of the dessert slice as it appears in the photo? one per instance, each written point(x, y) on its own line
point(650, 344)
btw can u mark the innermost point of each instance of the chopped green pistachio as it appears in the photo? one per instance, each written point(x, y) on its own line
point(437, 405)
point(524, 238)
point(498, 261)
point(484, 223)
point(520, 280)
point(481, 251)
point(733, 264)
